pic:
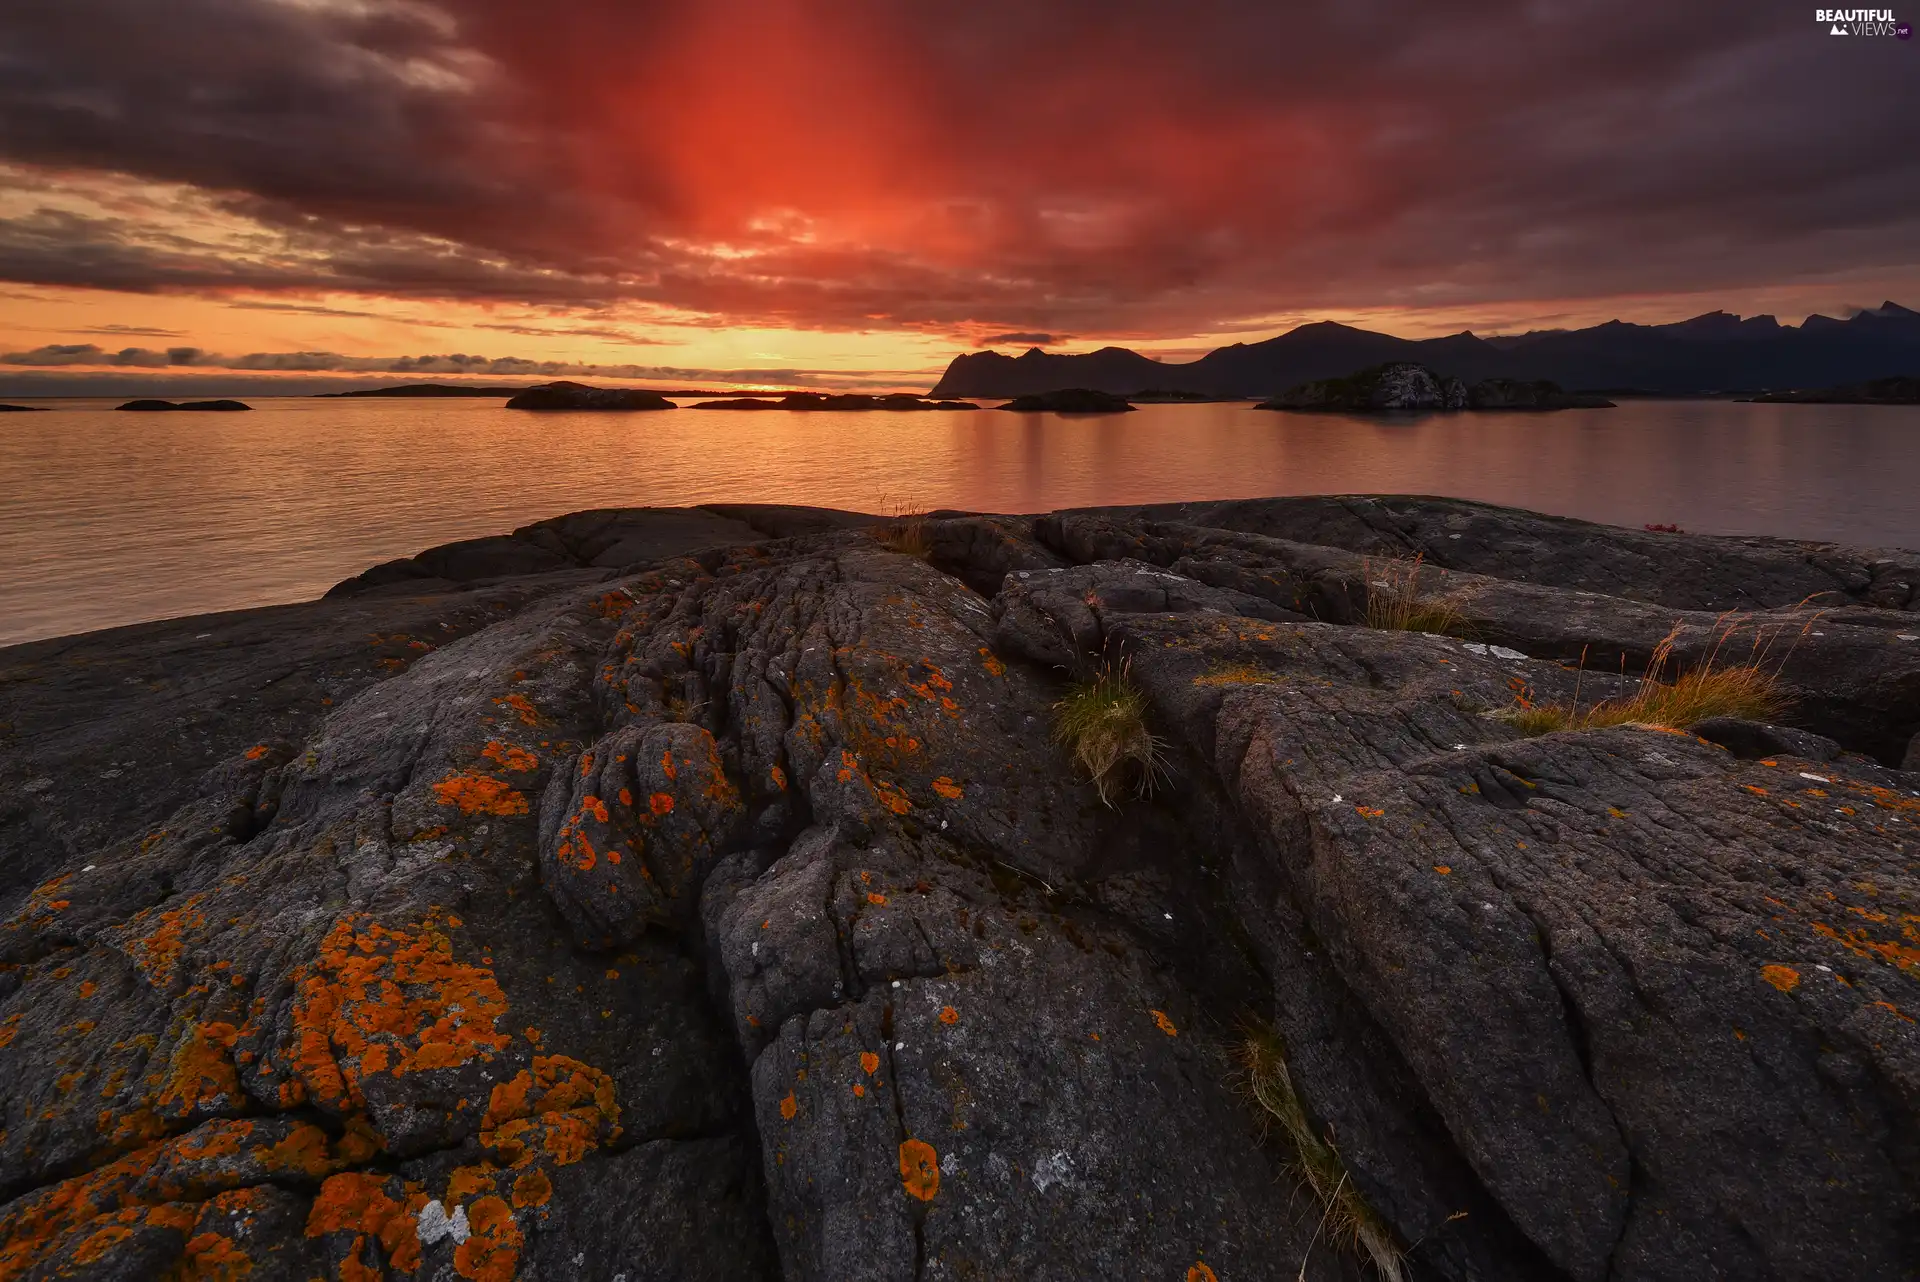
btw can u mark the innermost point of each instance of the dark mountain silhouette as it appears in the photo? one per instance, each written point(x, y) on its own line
point(1717, 352)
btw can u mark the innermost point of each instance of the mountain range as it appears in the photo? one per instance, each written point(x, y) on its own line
point(1714, 353)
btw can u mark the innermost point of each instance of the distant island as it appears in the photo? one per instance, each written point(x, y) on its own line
point(809, 401)
point(1879, 391)
point(20, 409)
point(154, 406)
point(1070, 400)
point(1715, 354)
point(1403, 385)
point(578, 396)
point(425, 389)
point(458, 389)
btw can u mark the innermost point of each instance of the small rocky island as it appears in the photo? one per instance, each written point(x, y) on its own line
point(1070, 400)
point(815, 401)
point(578, 396)
point(1880, 391)
point(20, 409)
point(150, 405)
point(1403, 386)
point(1328, 888)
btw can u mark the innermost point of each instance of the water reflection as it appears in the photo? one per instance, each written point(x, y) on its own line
point(108, 518)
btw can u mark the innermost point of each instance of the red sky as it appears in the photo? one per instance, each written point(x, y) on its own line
point(783, 192)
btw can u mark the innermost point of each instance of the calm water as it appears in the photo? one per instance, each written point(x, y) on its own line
point(109, 518)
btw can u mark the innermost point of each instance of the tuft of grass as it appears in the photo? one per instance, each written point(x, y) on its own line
point(1102, 723)
point(1394, 602)
point(1749, 689)
point(906, 533)
point(1344, 1215)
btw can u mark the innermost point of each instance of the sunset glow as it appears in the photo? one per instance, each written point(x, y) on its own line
point(770, 193)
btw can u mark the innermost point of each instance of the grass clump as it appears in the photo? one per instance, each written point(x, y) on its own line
point(1749, 689)
point(1394, 603)
point(906, 532)
point(1344, 1215)
point(1102, 723)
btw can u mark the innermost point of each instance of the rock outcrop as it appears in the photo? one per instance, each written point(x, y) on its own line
point(150, 405)
point(12, 409)
point(578, 396)
point(1403, 386)
point(703, 895)
point(1072, 400)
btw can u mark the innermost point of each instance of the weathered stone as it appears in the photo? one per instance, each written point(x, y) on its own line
point(714, 903)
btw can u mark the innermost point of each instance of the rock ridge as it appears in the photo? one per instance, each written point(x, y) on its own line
point(701, 893)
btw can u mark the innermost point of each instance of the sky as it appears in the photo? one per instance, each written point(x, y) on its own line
point(847, 193)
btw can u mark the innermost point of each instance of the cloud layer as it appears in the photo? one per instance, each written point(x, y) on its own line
point(993, 169)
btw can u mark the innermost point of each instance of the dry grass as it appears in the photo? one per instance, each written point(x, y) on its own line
point(1102, 723)
point(1345, 1217)
point(1394, 602)
point(906, 533)
point(1749, 689)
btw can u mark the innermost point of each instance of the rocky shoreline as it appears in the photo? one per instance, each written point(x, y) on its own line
point(703, 894)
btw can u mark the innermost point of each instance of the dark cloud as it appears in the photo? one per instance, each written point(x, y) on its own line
point(1123, 168)
point(1024, 339)
point(456, 364)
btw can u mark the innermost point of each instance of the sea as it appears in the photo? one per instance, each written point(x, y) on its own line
point(111, 518)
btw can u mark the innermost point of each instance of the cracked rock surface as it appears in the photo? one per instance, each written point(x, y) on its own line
point(702, 895)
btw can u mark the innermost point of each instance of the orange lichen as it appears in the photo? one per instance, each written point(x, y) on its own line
point(660, 804)
point(491, 1252)
point(532, 1189)
point(869, 1063)
point(379, 1000)
point(1784, 978)
point(948, 1015)
point(157, 953)
point(519, 705)
point(258, 751)
point(1443, 869)
point(357, 1202)
point(480, 794)
point(891, 797)
point(778, 776)
point(876, 898)
point(201, 1074)
point(992, 663)
point(859, 1091)
point(210, 1257)
point(919, 1169)
point(789, 1106)
point(513, 758)
point(948, 788)
point(1368, 812)
point(1201, 1273)
point(1858, 941)
point(1163, 1023)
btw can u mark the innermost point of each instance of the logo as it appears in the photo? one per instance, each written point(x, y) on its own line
point(1862, 22)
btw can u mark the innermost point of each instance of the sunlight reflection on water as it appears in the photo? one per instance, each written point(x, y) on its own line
point(109, 518)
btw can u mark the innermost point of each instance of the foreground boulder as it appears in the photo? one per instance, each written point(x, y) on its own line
point(578, 396)
point(1072, 400)
point(215, 406)
point(715, 902)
